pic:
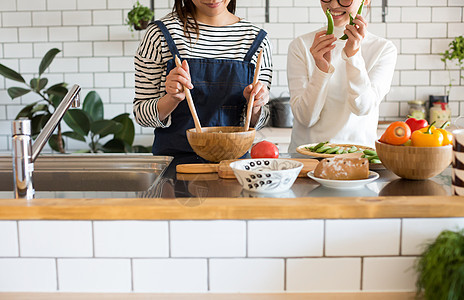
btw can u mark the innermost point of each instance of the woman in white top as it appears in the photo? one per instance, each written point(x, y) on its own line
point(336, 86)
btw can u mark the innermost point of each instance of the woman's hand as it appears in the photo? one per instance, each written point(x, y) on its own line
point(356, 34)
point(261, 93)
point(320, 50)
point(176, 80)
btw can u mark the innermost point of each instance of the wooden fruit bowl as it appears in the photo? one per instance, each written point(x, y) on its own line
point(414, 162)
point(220, 143)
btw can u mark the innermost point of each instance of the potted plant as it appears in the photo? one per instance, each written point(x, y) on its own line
point(139, 16)
point(88, 125)
point(48, 98)
point(441, 267)
point(455, 54)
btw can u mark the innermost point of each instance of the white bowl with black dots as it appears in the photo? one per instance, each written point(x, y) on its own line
point(266, 175)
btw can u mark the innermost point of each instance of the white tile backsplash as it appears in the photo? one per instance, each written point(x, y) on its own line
point(8, 5)
point(359, 256)
point(416, 14)
point(61, 4)
point(170, 275)
point(108, 49)
point(131, 239)
point(108, 17)
point(93, 64)
point(121, 64)
point(246, 275)
point(9, 34)
point(401, 30)
point(417, 27)
point(94, 275)
point(415, 46)
point(285, 238)
point(415, 77)
point(8, 238)
point(46, 18)
point(427, 62)
point(77, 18)
point(31, 5)
point(29, 65)
point(432, 30)
point(323, 275)
point(64, 65)
point(77, 49)
point(91, 4)
point(417, 233)
point(63, 34)
point(93, 33)
point(27, 275)
point(362, 237)
point(16, 50)
point(37, 34)
point(446, 14)
point(389, 274)
point(455, 29)
point(208, 238)
point(55, 238)
point(109, 79)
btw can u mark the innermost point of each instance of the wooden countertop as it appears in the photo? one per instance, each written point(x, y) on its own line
point(233, 208)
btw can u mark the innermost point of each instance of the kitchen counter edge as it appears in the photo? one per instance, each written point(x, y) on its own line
point(233, 208)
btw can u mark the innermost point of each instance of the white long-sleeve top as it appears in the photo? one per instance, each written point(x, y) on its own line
point(341, 106)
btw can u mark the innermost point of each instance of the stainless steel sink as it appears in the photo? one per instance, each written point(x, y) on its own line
point(90, 172)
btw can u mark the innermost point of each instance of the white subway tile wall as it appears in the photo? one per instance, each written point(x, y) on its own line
point(9, 238)
point(28, 275)
point(131, 239)
point(385, 273)
point(246, 275)
point(208, 238)
point(94, 275)
point(193, 256)
point(170, 275)
point(285, 238)
point(362, 237)
point(323, 274)
point(55, 238)
point(93, 35)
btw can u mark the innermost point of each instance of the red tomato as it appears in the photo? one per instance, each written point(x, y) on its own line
point(264, 149)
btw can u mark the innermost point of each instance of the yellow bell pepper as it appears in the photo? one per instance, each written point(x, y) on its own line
point(447, 136)
point(430, 137)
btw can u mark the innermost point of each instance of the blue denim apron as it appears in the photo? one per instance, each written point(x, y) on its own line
point(217, 95)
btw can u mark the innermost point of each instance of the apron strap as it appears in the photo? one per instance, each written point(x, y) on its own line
point(254, 47)
point(168, 37)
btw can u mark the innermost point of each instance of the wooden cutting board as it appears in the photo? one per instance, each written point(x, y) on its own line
point(224, 171)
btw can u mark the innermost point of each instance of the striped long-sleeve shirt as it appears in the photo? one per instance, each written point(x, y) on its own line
point(225, 42)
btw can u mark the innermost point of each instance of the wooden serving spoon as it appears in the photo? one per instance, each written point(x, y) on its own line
point(190, 101)
point(252, 97)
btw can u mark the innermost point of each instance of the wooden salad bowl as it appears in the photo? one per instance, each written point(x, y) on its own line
point(414, 162)
point(220, 143)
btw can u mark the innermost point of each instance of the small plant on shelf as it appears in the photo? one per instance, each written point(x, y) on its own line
point(455, 54)
point(139, 16)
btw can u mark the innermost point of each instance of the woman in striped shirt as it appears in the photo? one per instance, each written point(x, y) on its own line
point(219, 52)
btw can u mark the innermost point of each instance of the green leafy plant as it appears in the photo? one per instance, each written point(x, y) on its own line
point(455, 54)
point(139, 16)
point(441, 268)
point(48, 98)
point(89, 126)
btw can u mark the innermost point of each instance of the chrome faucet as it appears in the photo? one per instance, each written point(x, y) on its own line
point(25, 153)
